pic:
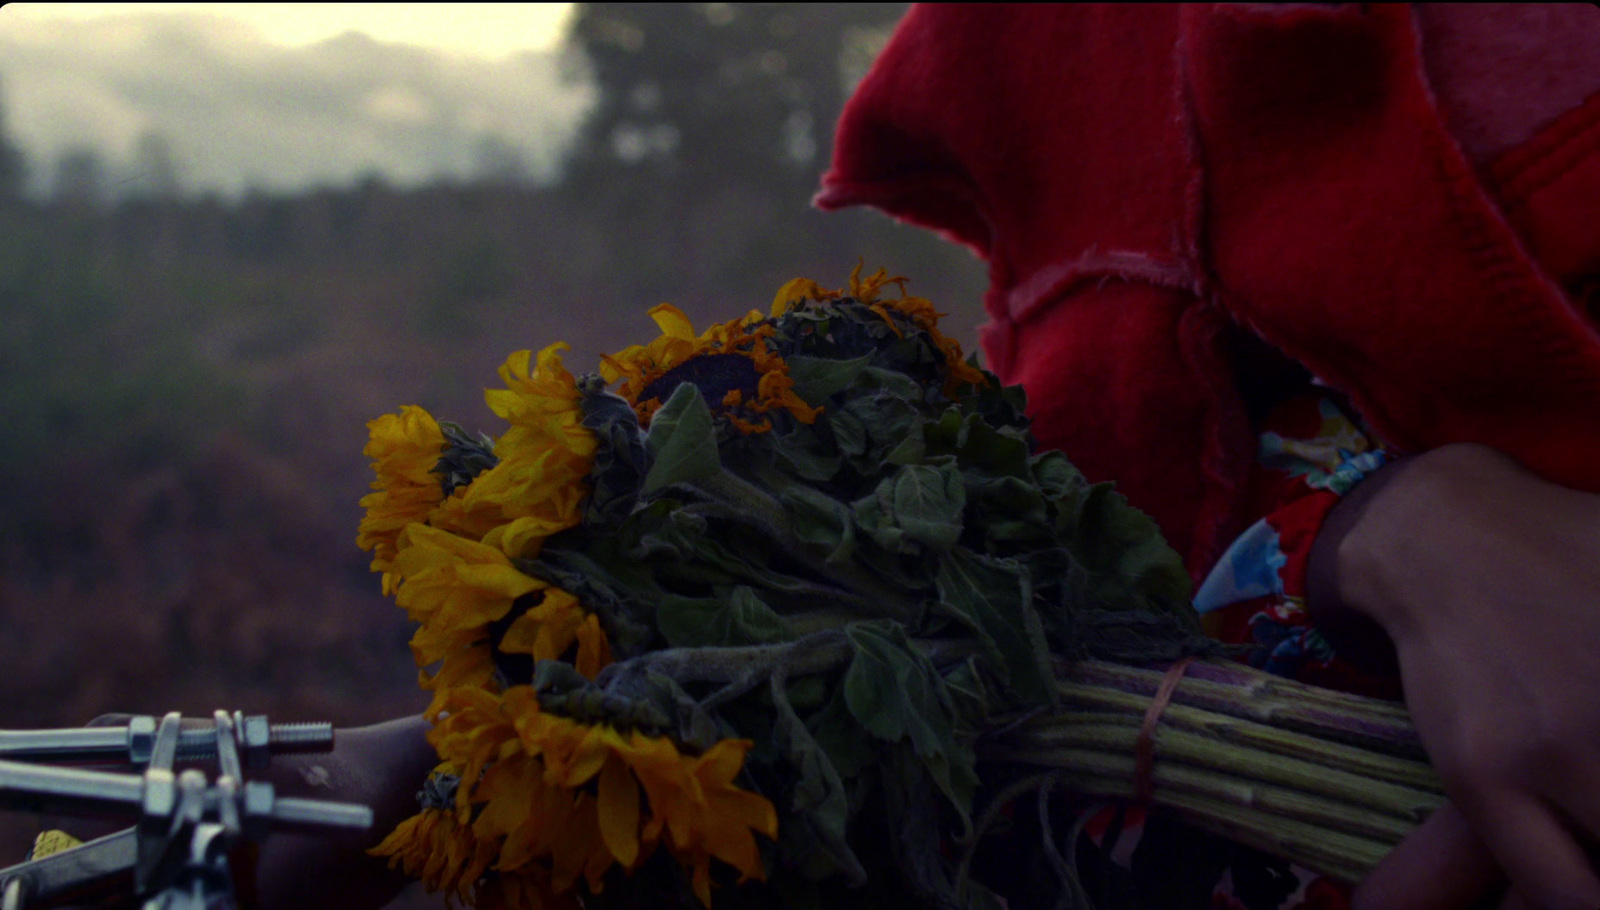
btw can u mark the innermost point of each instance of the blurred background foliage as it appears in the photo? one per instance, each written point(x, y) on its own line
point(184, 382)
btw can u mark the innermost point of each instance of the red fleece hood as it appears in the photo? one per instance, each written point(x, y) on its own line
point(1145, 180)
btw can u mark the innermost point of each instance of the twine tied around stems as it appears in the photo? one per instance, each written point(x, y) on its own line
point(1145, 745)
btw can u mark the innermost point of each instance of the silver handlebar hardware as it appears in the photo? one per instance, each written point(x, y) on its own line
point(134, 743)
point(175, 857)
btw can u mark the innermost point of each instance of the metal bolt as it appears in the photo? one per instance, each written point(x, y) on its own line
point(279, 739)
point(292, 812)
point(141, 739)
point(256, 738)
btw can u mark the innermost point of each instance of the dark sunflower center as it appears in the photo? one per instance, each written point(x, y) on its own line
point(715, 375)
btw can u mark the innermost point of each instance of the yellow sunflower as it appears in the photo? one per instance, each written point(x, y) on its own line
point(548, 629)
point(451, 583)
point(578, 798)
point(741, 378)
point(454, 588)
point(539, 485)
point(438, 847)
point(404, 449)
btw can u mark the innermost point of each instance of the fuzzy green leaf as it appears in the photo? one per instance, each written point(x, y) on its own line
point(893, 690)
point(816, 379)
point(820, 521)
point(995, 599)
point(839, 734)
point(1008, 509)
point(1055, 475)
point(806, 454)
point(927, 502)
point(682, 440)
point(739, 618)
point(1129, 564)
point(977, 445)
point(896, 694)
point(818, 801)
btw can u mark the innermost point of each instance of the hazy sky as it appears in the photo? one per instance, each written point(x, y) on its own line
point(477, 29)
point(287, 95)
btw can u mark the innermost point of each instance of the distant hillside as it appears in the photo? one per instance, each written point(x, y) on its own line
point(186, 387)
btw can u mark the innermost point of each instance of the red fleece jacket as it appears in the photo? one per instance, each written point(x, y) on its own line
point(1147, 182)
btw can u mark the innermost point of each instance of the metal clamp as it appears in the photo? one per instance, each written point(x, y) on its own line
point(134, 743)
point(175, 856)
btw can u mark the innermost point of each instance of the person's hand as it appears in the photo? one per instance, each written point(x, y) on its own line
point(1486, 579)
point(382, 766)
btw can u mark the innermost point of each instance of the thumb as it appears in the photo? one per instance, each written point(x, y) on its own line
point(1441, 866)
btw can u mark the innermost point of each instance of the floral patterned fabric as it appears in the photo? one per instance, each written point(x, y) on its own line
point(1313, 451)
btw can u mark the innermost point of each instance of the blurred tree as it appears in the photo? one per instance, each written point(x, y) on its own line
point(711, 124)
point(13, 167)
point(717, 90)
point(153, 174)
point(499, 162)
point(80, 178)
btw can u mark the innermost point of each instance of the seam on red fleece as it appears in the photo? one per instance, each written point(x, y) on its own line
point(1506, 270)
point(1561, 141)
point(1345, 376)
point(1558, 161)
point(1192, 228)
point(1197, 330)
point(1052, 282)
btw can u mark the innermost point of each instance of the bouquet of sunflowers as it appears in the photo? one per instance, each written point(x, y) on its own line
point(789, 612)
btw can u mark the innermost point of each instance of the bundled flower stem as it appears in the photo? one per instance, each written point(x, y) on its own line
point(784, 613)
point(1327, 780)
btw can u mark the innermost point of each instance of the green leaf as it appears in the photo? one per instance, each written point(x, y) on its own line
point(816, 379)
point(969, 697)
point(818, 802)
point(977, 445)
point(665, 530)
point(840, 735)
point(994, 598)
point(916, 836)
point(896, 694)
point(894, 691)
point(683, 441)
point(875, 415)
point(620, 458)
point(883, 383)
point(1055, 475)
point(819, 521)
point(606, 581)
point(927, 503)
point(911, 450)
point(873, 516)
point(806, 454)
point(463, 458)
point(1008, 509)
point(740, 618)
point(885, 420)
point(849, 432)
point(1129, 564)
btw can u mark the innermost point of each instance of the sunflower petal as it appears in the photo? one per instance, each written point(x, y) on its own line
point(618, 805)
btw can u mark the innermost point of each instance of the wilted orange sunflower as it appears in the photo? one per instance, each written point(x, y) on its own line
point(573, 799)
point(917, 310)
point(738, 374)
point(438, 847)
